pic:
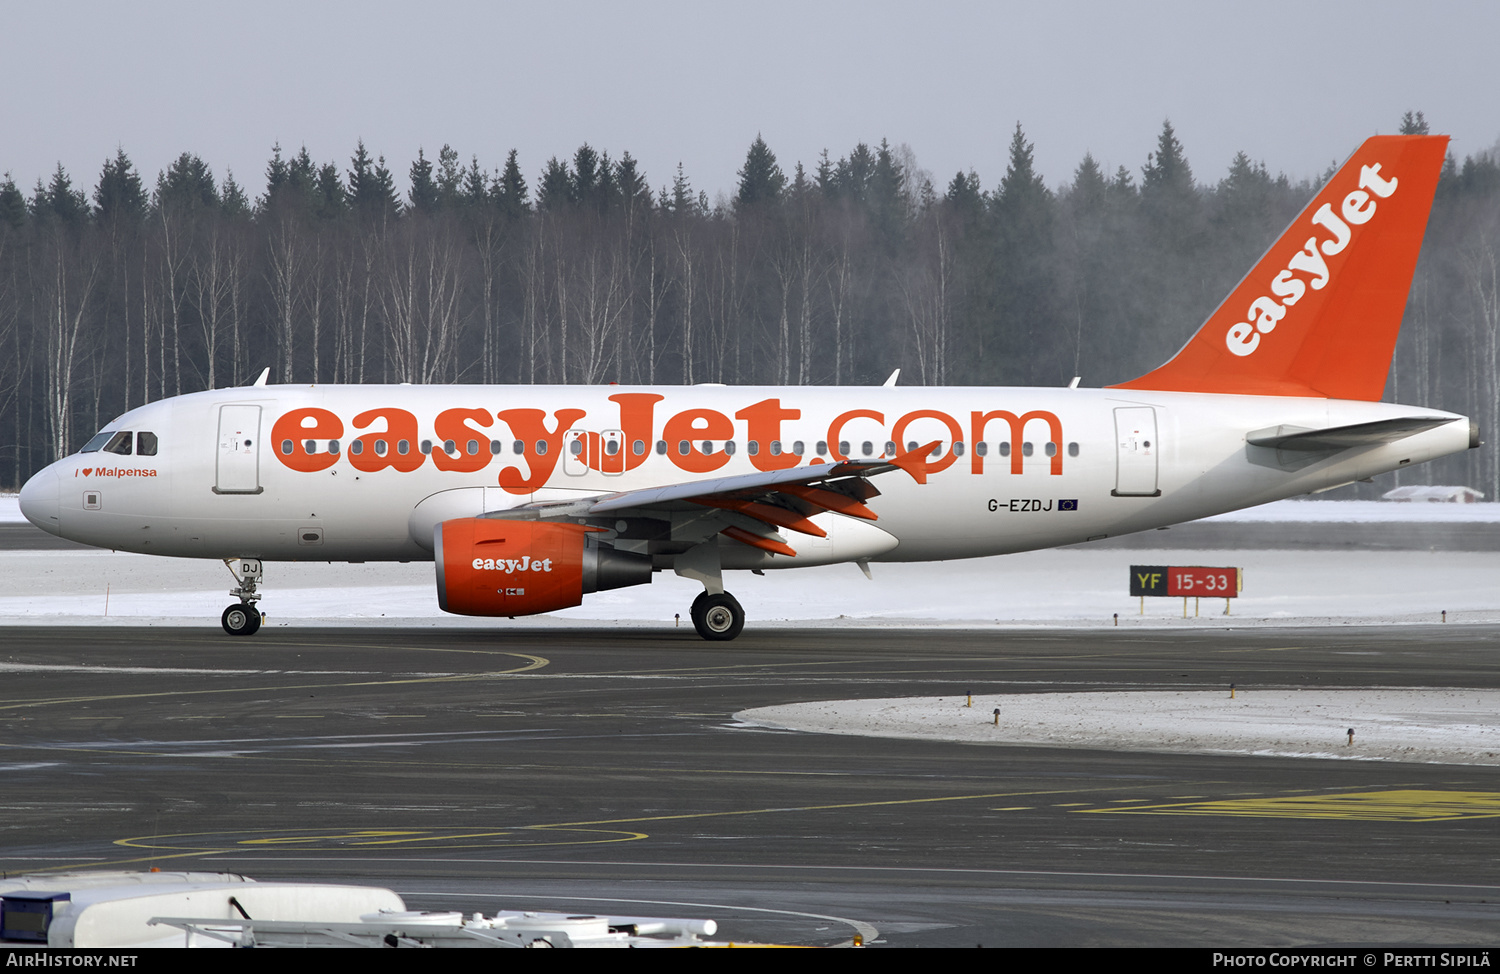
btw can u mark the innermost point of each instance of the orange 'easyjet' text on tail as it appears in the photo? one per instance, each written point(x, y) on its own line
point(1318, 315)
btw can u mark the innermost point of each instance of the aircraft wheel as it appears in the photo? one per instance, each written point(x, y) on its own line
point(718, 618)
point(241, 619)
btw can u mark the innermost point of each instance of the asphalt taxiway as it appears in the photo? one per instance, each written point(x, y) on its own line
point(593, 769)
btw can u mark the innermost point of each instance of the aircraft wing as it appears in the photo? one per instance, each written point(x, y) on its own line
point(750, 507)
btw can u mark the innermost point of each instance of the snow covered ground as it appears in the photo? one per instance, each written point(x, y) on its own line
point(1448, 726)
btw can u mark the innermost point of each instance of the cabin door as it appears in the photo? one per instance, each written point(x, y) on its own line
point(238, 469)
point(1136, 452)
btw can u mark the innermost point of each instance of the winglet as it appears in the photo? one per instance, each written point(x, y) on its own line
point(914, 462)
point(1318, 315)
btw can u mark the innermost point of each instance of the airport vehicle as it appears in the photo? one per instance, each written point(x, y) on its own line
point(529, 497)
point(114, 909)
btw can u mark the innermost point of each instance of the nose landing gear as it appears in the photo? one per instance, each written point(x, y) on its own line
point(243, 618)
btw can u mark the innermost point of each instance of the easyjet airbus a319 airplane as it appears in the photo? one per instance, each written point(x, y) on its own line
point(527, 498)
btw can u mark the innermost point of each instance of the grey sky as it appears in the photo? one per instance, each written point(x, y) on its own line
point(1296, 85)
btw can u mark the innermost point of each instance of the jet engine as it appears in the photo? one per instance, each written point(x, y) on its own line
point(499, 567)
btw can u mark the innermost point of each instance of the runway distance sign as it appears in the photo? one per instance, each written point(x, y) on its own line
point(1185, 580)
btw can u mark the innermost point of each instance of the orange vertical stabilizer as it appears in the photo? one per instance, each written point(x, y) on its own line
point(1319, 313)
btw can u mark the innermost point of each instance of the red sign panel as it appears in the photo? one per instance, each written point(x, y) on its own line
point(1218, 583)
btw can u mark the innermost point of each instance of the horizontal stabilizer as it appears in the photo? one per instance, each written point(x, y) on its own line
point(1338, 438)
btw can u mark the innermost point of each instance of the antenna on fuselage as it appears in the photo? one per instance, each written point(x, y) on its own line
point(265, 374)
point(892, 380)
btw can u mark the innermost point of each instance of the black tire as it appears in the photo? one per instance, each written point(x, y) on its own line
point(241, 619)
point(718, 618)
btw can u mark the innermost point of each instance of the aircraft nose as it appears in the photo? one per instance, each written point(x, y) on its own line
point(39, 501)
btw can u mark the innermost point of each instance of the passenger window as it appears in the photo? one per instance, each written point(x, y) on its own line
point(982, 448)
point(797, 447)
point(145, 444)
point(752, 447)
point(682, 448)
point(380, 448)
point(890, 448)
point(958, 448)
point(661, 447)
point(426, 447)
point(119, 444)
point(844, 447)
point(822, 447)
point(576, 447)
point(867, 448)
point(1072, 449)
point(333, 446)
point(1005, 449)
point(1027, 449)
point(518, 448)
point(638, 448)
point(775, 448)
point(357, 447)
point(708, 447)
point(473, 446)
point(495, 448)
point(286, 448)
point(311, 446)
point(541, 448)
point(611, 448)
point(1051, 449)
point(729, 447)
point(403, 447)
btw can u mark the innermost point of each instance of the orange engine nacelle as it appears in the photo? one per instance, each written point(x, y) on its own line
point(498, 567)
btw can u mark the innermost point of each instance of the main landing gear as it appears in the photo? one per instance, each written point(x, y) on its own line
point(717, 617)
point(243, 618)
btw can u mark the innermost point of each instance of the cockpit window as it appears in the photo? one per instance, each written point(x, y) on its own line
point(95, 444)
point(119, 443)
point(145, 444)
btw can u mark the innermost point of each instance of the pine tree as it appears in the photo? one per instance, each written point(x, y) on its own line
point(119, 199)
point(1024, 216)
point(187, 183)
point(681, 202)
point(372, 191)
point(12, 204)
point(329, 193)
point(585, 187)
point(475, 191)
point(59, 200)
point(232, 199)
point(511, 194)
point(387, 202)
point(1167, 172)
point(1414, 123)
point(761, 179)
point(449, 175)
point(634, 190)
point(302, 175)
point(424, 192)
point(887, 194)
point(555, 189)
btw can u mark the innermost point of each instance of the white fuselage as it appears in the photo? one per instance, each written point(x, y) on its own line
point(1086, 463)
